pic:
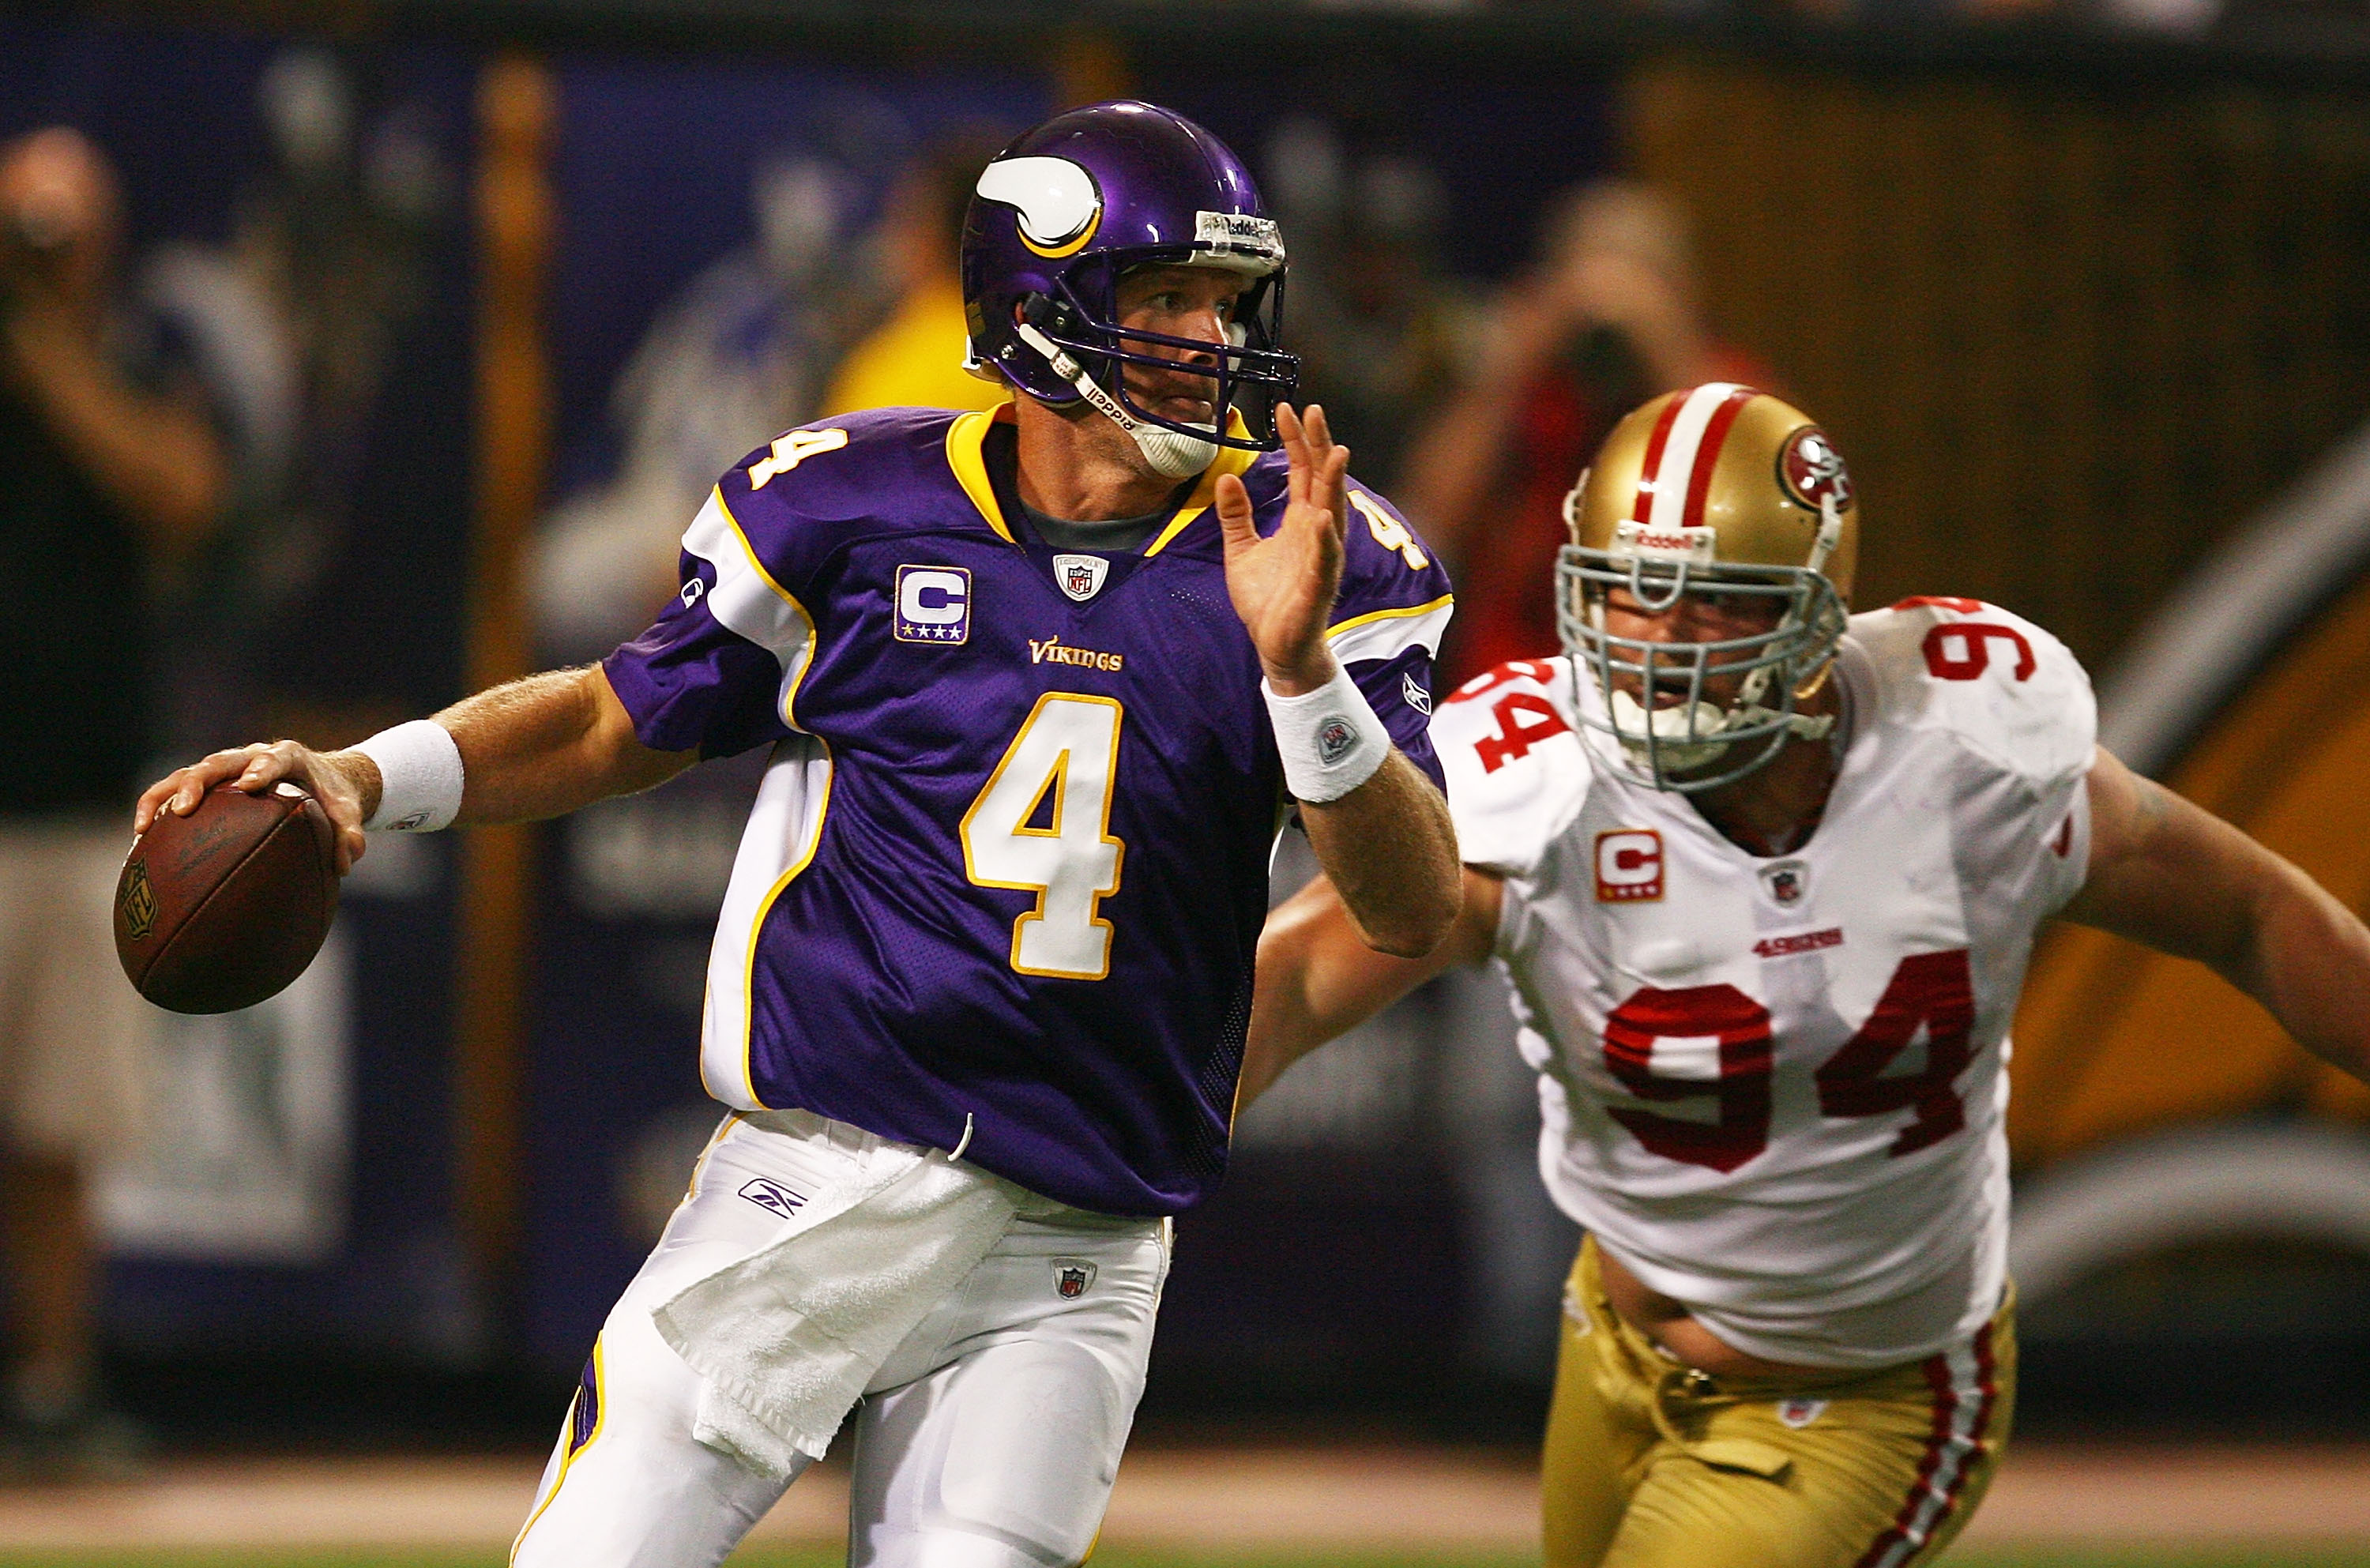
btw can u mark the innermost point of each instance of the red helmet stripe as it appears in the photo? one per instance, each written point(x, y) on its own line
point(1707, 453)
point(1650, 471)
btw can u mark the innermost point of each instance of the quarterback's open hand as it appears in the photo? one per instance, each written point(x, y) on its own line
point(339, 780)
point(1282, 585)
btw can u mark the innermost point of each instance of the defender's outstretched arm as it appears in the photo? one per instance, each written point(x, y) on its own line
point(1319, 977)
point(536, 747)
point(2176, 878)
point(1390, 850)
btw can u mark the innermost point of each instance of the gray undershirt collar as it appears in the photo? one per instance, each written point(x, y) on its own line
point(1119, 535)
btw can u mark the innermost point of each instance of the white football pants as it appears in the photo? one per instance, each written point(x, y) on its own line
point(989, 1439)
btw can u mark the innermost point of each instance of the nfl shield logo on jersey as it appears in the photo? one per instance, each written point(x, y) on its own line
point(1081, 576)
point(1785, 883)
point(1071, 1277)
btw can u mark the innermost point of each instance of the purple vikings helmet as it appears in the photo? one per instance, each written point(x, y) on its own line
point(1055, 220)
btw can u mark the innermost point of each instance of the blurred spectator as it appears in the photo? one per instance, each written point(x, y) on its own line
point(1607, 319)
point(915, 357)
point(297, 324)
point(111, 475)
point(741, 354)
point(1375, 320)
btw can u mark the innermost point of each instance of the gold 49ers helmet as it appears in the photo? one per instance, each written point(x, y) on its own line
point(1723, 491)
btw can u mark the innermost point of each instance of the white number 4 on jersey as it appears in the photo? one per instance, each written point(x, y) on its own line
point(791, 450)
point(1069, 749)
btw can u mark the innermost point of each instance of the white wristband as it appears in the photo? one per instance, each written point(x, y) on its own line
point(419, 777)
point(1329, 739)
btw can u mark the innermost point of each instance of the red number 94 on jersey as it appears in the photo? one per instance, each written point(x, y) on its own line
point(1714, 1043)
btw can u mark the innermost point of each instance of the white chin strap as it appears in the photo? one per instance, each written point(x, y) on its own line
point(1172, 454)
point(1686, 735)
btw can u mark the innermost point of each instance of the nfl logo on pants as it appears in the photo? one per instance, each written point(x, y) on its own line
point(1071, 1277)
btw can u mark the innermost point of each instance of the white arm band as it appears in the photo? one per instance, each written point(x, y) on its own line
point(1330, 738)
point(419, 777)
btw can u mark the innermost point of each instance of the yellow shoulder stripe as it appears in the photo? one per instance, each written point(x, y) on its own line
point(1444, 601)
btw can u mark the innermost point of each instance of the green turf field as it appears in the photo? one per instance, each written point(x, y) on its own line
point(2121, 1558)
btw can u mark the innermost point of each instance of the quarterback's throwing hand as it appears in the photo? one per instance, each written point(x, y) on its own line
point(1282, 585)
point(340, 782)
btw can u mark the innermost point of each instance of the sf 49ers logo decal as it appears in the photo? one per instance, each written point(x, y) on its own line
point(1811, 469)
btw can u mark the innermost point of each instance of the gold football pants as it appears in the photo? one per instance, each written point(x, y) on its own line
point(1651, 1464)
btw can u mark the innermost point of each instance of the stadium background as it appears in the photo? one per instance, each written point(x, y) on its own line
point(2081, 291)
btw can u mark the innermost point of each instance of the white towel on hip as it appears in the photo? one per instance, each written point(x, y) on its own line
point(788, 1337)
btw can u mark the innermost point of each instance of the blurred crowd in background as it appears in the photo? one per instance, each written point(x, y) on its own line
point(181, 429)
point(236, 451)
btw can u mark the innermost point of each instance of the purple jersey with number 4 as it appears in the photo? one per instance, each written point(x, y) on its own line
point(1008, 865)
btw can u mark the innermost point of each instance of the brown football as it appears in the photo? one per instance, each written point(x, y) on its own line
point(221, 908)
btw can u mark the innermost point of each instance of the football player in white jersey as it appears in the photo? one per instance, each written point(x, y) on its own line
point(1765, 879)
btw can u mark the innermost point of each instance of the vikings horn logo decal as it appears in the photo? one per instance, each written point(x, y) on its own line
point(1059, 204)
point(1810, 468)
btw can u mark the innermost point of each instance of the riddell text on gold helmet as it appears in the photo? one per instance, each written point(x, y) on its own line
point(1750, 467)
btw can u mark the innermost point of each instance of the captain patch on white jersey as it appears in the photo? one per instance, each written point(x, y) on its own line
point(1774, 1088)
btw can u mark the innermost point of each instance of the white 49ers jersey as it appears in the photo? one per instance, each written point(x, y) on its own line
point(1774, 1088)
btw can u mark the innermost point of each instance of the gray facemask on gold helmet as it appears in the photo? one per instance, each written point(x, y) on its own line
point(1715, 491)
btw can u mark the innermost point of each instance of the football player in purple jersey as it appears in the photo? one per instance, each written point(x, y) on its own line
point(1040, 684)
